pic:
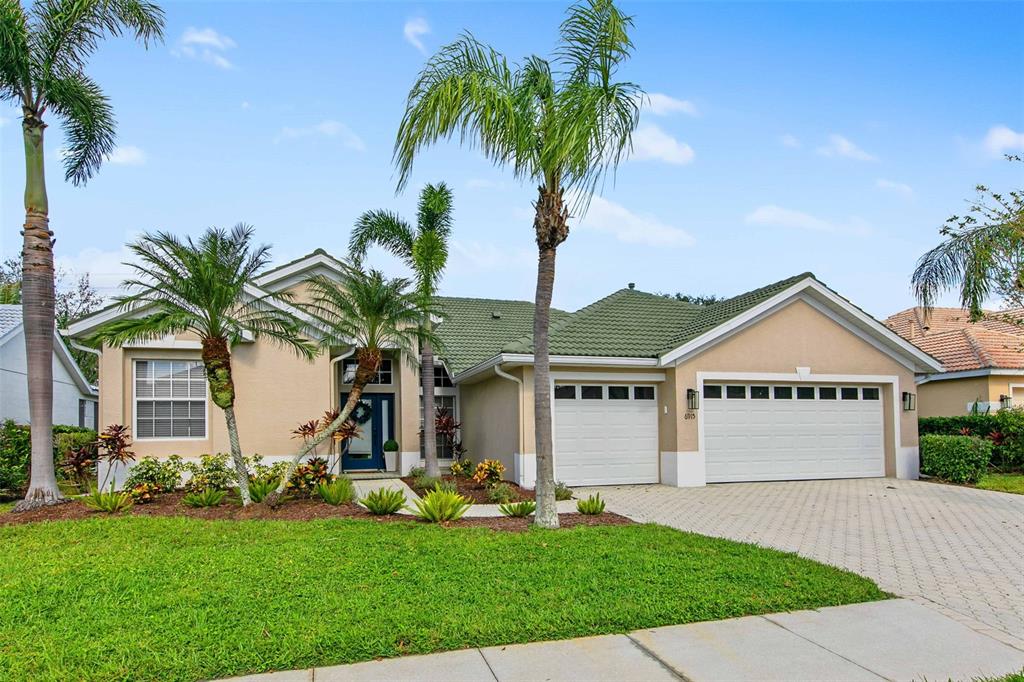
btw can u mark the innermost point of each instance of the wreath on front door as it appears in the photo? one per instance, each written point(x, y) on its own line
point(362, 412)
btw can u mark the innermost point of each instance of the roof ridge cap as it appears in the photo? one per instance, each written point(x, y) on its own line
point(979, 351)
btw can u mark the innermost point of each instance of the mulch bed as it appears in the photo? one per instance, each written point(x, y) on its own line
point(295, 509)
point(474, 491)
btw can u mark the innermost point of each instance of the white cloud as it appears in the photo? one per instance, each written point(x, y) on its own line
point(900, 188)
point(413, 29)
point(245, 104)
point(488, 257)
point(106, 269)
point(840, 146)
point(651, 142)
point(325, 128)
point(610, 218)
point(127, 155)
point(771, 215)
point(1002, 140)
point(792, 141)
point(663, 105)
point(205, 44)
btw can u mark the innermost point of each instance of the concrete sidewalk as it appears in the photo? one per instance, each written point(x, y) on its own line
point(889, 640)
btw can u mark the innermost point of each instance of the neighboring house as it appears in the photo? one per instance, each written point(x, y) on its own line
point(790, 381)
point(983, 362)
point(74, 400)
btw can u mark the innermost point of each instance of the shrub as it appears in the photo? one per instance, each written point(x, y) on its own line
point(338, 491)
point(16, 451)
point(308, 475)
point(258, 470)
point(518, 509)
point(423, 482)
point(957, 459)
point(1004, 428)
point(499, 493)
point(489, 472)
point(390, 446)
point(260, 488)
point(591, 506)
point(79, 464)
point(212, 472)
point(448, 486)
point(462, 467)
point(164, 474)
point(441, 505)
point(562, 491)
point(144, 493)
point(417, 472)
point(210, 497)
point(115, 446)
point(384, 501)
point(109, 501)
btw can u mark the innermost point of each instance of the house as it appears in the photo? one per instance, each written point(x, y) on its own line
point(983, 362)
point(74, 399)
point(790, 381)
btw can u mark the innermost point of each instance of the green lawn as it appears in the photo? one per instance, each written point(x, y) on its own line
point(171, 598)
point(1006, 483)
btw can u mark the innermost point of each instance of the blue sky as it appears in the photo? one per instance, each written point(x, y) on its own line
point(782, 137)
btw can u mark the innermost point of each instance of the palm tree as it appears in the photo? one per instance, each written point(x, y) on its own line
point(43, 55)
point(983, 254)
point(372, 313)
point(425, 250)
point(561, 124)
point(201, 287)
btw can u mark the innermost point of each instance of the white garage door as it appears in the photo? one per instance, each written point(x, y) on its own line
point(757, 432)
point(605, 434)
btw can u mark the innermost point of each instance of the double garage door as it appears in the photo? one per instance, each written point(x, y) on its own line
point(608, 434)
point(757, 432)
point(605, 434)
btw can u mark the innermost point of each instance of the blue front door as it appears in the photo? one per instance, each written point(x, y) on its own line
point(367, 451)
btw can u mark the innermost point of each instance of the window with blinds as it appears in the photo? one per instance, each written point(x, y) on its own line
point(170, 399)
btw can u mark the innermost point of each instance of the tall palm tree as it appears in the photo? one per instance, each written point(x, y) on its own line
point(201, 287)
point(561, 124)
point(425, 250)
point(983, 254)
point(43, 55)
point(372, 313)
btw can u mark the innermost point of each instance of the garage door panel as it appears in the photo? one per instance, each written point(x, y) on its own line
point(749, 440)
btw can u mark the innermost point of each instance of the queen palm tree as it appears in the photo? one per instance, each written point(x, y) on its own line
point(202, 287)
point(43, 55)
point(425, 250)
point(983, 254)
point(561, 124)
point(372, 313)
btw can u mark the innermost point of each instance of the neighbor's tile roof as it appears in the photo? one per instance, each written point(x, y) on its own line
point(475, 329)
point(10, 317)
point(959, 344)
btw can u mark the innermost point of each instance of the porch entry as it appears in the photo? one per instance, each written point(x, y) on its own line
point(376, 421)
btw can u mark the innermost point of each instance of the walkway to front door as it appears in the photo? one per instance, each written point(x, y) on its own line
point(367, 451)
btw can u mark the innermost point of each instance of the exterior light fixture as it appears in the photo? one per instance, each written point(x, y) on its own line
point(1005, 402)
point(909, 401)
point(692, 399)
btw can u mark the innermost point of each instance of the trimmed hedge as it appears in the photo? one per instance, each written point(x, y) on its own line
point(16, 451)
point(957, 459)
point(1005, 429)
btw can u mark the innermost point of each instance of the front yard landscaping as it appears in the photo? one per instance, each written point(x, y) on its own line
point(1004, 483)
point(177, 598)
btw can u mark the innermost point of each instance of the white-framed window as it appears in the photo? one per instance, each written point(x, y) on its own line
point(783, 392)
point(447, 401)
point(384, 374)
point(170, 399)
point(441, 378)
point(603, 392)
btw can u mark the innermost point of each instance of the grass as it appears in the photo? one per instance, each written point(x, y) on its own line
point(1006, 483)
point(171, 598)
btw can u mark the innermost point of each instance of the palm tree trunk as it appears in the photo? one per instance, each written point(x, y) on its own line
point(429, 423)
point(368, 363)
point(217, 362)
point(37, 305)
point(551, 226)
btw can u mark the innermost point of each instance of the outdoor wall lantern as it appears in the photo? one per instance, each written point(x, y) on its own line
point(1005, 402)
point(909, 401)
point(692, 399)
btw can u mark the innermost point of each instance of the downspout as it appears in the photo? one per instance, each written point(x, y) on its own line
point(519, 396)
point(86, 349)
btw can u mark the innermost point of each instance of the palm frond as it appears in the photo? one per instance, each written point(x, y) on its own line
point(154, 326)
point(594, 40)
point(429, 259)
point(383, 228)
point(15, 67)
point(89, 125)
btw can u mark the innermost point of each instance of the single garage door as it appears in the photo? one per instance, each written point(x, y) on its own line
point(758, 432)
point(605, 434)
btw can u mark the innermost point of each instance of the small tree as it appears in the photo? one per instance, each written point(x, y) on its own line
point(200, 287)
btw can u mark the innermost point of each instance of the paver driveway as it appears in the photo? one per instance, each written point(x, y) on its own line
point(958, 550)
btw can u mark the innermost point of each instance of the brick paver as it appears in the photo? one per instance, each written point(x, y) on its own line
point(958, 550)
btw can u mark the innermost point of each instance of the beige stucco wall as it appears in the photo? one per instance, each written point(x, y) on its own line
point(795, 336)
point(951, 397)
point(490, 420)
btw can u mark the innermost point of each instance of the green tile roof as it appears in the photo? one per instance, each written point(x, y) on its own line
point(475, 329)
